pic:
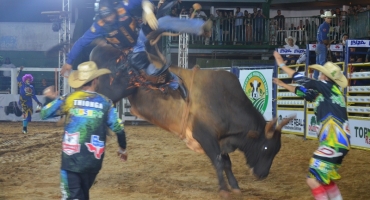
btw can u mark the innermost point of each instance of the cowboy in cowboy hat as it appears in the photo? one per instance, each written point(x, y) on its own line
point(87, 116)
point(331, 113)
point(290, 44)
point(323, 41)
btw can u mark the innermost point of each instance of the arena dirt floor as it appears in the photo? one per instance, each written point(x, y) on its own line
point(160, 166)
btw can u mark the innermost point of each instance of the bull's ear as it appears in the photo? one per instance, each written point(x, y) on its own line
point(252, 134)
point(269, 129)
point(251, 84)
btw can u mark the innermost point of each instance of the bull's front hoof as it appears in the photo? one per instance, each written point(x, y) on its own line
point(224, 194)
point(236, 191)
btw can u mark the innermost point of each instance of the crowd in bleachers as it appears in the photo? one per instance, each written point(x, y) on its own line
point(237, 27)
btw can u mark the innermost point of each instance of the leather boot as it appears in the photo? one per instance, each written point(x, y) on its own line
point(176, 81)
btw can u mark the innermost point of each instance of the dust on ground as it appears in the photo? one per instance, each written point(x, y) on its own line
point(160, 166)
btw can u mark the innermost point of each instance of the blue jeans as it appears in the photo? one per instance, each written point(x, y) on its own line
point(321, 52)
point(167, 23)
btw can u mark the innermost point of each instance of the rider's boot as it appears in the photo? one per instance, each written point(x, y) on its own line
point(175, 83)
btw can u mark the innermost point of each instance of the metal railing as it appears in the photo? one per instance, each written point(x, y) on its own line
point(259, 30)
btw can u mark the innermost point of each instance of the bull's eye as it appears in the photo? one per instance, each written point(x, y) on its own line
point(265, 148)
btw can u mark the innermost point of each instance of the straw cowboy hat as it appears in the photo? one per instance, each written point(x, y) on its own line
point(290, 37)
point(333, 72)
point(86, 72)
point(327, 14)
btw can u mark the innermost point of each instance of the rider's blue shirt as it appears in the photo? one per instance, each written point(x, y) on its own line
point(124, 11)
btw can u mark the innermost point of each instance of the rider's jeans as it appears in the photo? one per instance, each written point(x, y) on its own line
point(167, 23)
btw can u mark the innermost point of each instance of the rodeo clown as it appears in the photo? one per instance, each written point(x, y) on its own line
point(116, 22)
point(331, 112)
point(26, 94)
point(88, 114)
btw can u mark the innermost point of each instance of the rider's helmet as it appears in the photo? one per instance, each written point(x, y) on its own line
point(105, 9)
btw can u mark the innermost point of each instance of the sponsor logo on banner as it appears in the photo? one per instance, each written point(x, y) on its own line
point(359, 43)
point(363, 132)
point(291, 51)
point(312, 47)
point(295, 125)
point(336, 47)
point(313, 126)
point(256, 88)
point(71, 143)
point(360, 133)
point(96, 146)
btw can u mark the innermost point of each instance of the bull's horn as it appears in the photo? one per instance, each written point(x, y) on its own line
point(285, 122)
point(269, 129)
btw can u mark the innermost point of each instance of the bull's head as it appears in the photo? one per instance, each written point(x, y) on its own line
point(262, 149)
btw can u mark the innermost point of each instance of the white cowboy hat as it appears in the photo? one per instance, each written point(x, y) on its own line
point(333, 72)
point(327, 14)
point(86, 72)
point(290, 37)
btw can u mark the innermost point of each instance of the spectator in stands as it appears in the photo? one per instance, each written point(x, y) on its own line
point(368, 55)
point(184, 12)
point(254, 12)
point(321, 20)
point(273, 29)
point(323, 41)
point(344, 39)
point(219, 26)
point(238, 25)
point(355, 58)
point(280, 19)
point(42, 87)
point(360, 9)
point(294, 33)
point(173, 13)
point(191, 12)
point(259, 25)
point(308, 30)
point(5, 80)
point(290, 44)
point(248, 27)
point(200, 14)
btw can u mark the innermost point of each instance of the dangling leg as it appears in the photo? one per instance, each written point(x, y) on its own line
point(156, 75)
point(172, 79)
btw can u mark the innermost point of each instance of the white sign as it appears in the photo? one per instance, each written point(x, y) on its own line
point(291, 51)
point(294, 126)
point(358, 43)
point(336, 47)
point(312, 47)
point(312, 126)
point(11, 111)
point(333, 47)
point(360, 133)
point(257, 85)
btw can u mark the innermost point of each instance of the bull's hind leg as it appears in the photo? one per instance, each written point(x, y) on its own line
point(212, 149)
point(229, 173)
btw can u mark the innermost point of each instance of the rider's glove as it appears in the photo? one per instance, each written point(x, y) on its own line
point(148, 15)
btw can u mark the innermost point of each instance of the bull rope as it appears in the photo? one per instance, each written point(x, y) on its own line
point(185, 114)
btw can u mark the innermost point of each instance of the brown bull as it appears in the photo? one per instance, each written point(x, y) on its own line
point(217, 118)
